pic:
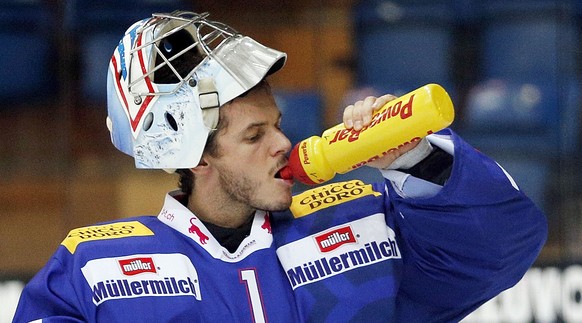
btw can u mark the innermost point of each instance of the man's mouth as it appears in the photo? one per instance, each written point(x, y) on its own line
point(284, 173)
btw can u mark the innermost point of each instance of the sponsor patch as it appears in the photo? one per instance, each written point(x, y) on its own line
point(329, 195)
point(135, 266)
point(105, 232)
point(360, 243)
point(334, 239)
point(149, 275)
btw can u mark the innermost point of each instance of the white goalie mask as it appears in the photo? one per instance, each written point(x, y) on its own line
point(167, 79)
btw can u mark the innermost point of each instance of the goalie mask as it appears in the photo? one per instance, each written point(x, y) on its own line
point(167, 79)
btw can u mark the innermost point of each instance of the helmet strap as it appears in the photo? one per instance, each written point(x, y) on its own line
point(209, 102)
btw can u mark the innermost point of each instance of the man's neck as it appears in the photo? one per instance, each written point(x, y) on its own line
point(221, 227)
point(230, 238)
point(211, 208)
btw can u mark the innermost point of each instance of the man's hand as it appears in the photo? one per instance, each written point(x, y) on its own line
point(359, 115)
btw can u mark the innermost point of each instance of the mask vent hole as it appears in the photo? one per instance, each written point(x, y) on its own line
point(148, 121)
point(171, 121)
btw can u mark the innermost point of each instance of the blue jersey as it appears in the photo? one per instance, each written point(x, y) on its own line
point(164, 269)
point(400, 251)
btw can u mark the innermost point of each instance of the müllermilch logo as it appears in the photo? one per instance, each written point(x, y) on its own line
point(135, 266)
point(136, 285)
point(336, 262)
point(334, 239)
point(125, 288)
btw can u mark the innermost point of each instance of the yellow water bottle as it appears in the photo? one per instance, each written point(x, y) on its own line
point(401, 121)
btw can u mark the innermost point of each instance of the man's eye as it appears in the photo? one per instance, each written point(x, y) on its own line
point(254, 137)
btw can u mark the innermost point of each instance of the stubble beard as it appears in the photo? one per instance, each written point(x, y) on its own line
point(244, 190)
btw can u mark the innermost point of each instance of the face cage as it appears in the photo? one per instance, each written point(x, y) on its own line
point(206, 40)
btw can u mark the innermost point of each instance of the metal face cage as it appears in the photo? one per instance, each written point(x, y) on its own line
point(207, 37)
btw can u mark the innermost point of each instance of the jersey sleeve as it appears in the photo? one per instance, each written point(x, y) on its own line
point(475, 237)
point(49, 297)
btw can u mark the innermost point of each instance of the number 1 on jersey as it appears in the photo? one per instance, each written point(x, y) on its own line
point(249, 278)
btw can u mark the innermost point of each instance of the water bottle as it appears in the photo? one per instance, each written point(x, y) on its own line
point(401, 121)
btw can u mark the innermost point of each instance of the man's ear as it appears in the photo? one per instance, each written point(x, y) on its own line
point(202, 167)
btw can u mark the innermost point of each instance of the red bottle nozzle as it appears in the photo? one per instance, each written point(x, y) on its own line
point(294, 170)
point(286, 173)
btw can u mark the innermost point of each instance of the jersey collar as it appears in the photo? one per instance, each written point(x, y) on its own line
point(180, 218)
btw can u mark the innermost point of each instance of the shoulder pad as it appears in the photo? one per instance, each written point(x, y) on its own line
point(114, 230)
point(329, 195)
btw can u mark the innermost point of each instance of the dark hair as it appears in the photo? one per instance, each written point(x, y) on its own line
point(186, 180)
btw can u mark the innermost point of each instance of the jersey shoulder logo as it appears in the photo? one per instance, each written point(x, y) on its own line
point(325, 196)
point(105, 232)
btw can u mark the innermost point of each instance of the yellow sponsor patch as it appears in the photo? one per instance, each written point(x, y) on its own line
point(104, 232)
point(325, 196)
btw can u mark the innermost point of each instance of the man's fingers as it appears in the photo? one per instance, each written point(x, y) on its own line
point(367, 110)
point(359, 115)
point(381, 101)
point(348, 119)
